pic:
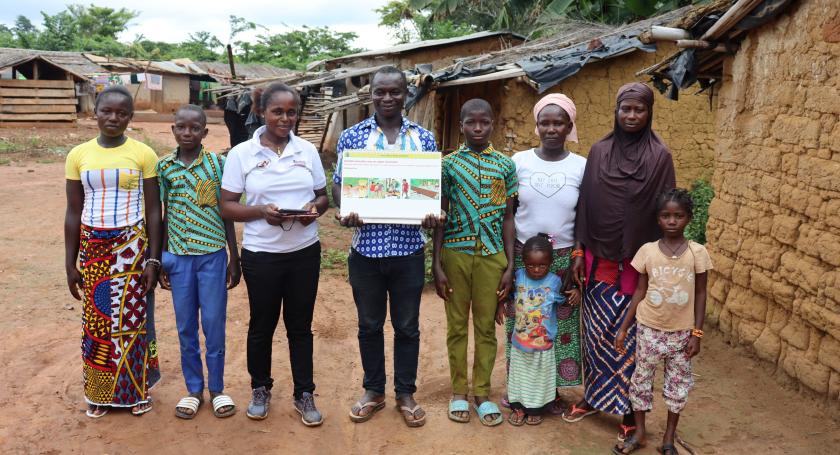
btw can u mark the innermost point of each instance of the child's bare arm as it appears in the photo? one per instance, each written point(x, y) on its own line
point(234, 268)
point(700, 281)
point(163, 277)
point(508, 239)
point(630, 317)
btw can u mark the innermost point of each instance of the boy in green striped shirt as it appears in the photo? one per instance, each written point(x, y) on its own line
point(195, 265)
point(473, 256)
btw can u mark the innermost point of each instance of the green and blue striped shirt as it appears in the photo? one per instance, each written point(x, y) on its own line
point(477, 186)
point(191, 193)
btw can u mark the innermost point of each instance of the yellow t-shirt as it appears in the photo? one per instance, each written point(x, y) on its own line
point(113, 181)
point(669, 302)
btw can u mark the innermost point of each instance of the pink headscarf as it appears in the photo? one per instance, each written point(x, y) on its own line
point(566, 104)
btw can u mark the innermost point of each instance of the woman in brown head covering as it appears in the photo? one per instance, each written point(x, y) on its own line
point(625, 172)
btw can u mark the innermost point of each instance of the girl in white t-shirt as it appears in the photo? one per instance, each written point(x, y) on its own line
point(668, 307)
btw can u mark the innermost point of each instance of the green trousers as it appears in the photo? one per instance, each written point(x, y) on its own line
point(474, 280)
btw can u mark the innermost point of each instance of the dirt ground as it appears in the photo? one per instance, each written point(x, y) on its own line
point(736, 406)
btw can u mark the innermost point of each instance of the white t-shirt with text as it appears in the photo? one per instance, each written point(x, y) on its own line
point(548, 195)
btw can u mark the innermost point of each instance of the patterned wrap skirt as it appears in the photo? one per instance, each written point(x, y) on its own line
point(606, 372)
point(116, 348)
point(567, 352)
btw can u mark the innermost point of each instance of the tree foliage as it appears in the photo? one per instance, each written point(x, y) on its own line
point(96, 29)
point(296, 48)
point(407, 24)
point(534, 17)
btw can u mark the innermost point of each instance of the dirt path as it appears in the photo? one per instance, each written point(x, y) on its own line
point(735, 408)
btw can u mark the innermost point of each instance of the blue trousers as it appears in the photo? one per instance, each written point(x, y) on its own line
point(199, 288)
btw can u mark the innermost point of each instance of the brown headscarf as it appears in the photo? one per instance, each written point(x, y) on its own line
point(625, 172)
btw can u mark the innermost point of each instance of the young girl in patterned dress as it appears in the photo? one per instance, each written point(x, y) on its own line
point(532, 375)
point(669, 306)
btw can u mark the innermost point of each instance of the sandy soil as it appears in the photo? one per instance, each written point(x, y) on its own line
point(736, 406)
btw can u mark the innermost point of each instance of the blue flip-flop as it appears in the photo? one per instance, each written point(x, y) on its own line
point(487, 408)
point(459, 406)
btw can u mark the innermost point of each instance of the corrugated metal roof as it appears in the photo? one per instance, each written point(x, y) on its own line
point(243, 70)
point(125, 64)
point(401, 48)
point(73, 62)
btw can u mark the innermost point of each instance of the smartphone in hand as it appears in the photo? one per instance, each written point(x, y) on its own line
point(294, 212)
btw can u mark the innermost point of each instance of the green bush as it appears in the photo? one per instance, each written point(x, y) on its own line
point(702, 194)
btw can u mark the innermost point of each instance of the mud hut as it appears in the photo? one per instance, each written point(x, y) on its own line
point(587, 62)
point(774, 230)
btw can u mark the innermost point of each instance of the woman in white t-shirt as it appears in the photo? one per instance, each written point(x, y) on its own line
point(549, 177)
point(279, 173)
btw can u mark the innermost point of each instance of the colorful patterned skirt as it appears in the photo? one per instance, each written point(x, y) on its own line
point(606, 373)
point(567, 352)
point(116, 348)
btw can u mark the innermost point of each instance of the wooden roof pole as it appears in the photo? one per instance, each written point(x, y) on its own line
point(230, 62)
point(732, 16)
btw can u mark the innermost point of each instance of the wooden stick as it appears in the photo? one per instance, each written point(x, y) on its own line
point(732, 16)
point(700, 44)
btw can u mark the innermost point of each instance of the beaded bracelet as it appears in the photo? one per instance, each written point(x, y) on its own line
point(577, 253)
point(697, 333)
point(154, 262)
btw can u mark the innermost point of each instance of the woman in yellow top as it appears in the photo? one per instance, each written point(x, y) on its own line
point(113, 229)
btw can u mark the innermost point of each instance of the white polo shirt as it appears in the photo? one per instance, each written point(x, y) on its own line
point(289, 181)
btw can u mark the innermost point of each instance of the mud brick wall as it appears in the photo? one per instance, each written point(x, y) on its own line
point(687, 126)
point(774, 226)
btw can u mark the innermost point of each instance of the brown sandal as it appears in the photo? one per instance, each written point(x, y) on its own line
point(629, 445)
point(517, 418)
point(533, 419)
point(375, 406)
point(410, 415)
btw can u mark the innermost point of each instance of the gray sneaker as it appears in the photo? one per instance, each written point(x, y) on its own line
point(258, 407)
point(309, 414)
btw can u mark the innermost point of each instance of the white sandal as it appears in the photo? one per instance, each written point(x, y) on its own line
point(189, 402)
point(220, 401)
point(92, 412)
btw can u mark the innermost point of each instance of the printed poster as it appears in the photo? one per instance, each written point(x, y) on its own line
point(390, 187)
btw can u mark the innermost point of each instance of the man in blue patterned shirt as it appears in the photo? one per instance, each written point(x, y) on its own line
point(387, 260)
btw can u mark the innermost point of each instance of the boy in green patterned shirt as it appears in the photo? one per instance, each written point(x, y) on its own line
point(473, 256)
point(194, 264)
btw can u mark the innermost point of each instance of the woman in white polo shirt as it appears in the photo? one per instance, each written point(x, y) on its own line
point(281, 254)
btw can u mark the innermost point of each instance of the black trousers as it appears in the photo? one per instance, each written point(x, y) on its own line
point(374, 280)
point(287, 281)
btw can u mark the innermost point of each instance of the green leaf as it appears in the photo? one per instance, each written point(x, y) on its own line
point(558, 7)
point(642, 8)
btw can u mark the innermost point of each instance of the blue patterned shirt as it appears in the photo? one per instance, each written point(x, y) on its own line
point(384, 240)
